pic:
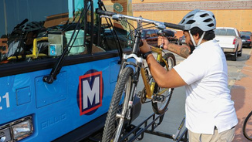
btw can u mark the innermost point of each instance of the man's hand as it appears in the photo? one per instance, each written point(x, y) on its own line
point(145, 48)
point(163, 41)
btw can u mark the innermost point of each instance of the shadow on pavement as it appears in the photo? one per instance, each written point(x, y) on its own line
point(244, 57)
point(238, 96)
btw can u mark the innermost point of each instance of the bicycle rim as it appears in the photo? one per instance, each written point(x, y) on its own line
point(115, 120)
point(247, 127)
point(160, 107)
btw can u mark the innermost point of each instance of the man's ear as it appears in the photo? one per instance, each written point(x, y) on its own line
point(197, 36)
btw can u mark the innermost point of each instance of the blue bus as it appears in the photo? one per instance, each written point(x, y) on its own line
point(59, 64)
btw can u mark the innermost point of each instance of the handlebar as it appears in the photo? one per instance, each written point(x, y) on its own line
point(174, 26)
point(118, 17)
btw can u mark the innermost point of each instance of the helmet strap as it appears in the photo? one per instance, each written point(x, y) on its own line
point(201, 38)
point(192, 39)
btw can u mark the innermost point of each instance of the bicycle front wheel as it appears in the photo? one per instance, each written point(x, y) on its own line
point(247, 127)
point(116, 118)
point(160, 102)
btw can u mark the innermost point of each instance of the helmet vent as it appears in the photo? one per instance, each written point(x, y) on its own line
point(190, 21)
point(208, 20)
point(189, 16)
point(204, 15)
point(183, 21)
point(210, 25)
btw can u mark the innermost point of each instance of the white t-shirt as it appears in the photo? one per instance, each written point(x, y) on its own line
point(208, 99)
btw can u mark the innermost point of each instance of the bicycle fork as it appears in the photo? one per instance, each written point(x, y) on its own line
point(126, 109)
point(129, 96)
point(127, 104)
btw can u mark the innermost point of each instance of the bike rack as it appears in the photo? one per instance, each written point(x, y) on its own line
point(137, 132)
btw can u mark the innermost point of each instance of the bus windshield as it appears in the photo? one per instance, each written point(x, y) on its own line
point(35, 29)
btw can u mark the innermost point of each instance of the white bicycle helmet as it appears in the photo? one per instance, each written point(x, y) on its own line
point(202, 19)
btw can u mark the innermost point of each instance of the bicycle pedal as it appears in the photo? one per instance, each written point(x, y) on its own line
point(158, 99)
point(139, 94)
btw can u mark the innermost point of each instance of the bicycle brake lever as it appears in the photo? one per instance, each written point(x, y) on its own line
point(141, 43)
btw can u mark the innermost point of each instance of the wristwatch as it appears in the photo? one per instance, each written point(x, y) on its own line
point(146, 54)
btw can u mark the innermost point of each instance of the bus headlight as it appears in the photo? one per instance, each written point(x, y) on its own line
point(22, 129)
point(16, 130)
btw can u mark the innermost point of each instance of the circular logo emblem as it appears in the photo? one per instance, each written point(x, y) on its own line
point(118, 7)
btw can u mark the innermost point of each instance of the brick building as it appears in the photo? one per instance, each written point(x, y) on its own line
point(229, 13)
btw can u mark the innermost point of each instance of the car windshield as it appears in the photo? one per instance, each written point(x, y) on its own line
point(227, 32)
point(245, 37)
point(246, 33)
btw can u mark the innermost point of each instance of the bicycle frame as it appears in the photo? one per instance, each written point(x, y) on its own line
point(150, 87)
point(139, 68)
point(138, 65)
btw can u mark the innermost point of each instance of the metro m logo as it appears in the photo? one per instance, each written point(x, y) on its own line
point(90, 92)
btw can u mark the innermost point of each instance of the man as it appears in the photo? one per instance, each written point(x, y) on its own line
point(210, 112)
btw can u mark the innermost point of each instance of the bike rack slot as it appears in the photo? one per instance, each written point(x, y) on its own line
point(137, 132)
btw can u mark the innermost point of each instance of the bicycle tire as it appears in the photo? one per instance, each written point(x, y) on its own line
point(247, 127)
point(160, 107)
point(111, 122)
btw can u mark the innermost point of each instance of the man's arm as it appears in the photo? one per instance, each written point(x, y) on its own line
point(181, 50)
point(164, 78)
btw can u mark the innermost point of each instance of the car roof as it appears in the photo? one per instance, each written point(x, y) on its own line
point(225, 28)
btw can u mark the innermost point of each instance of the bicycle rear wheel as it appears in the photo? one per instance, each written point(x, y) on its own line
point(116, 118)
point(247, 127)
point(159, 107)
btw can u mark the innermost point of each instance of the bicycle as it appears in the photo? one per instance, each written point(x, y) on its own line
point(118, 117)
point(247, 127)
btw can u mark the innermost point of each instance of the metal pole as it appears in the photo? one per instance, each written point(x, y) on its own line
point(5, 18)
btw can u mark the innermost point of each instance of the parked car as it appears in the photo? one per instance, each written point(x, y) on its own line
point(247, 33)
point(182, 40)
point(246, 41)
point(151, 36)
point(170, 34)
point(230, 41)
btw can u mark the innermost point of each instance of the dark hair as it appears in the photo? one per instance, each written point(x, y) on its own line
point(209, 35)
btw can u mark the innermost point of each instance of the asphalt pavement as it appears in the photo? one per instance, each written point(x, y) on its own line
point(241, 92)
